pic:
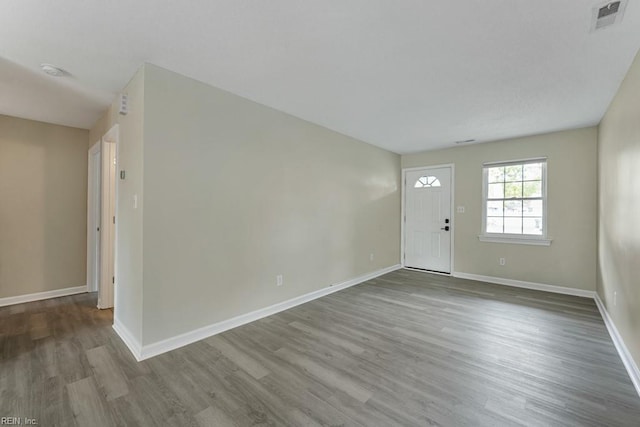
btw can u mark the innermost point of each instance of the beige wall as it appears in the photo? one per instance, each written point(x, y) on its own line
point(236, 193)
point(571, 171)
point(104, 123)
point(43, 207)
point(128, 296)
point(619, 210)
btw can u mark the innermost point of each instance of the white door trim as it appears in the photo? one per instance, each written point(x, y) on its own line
point(92, 285)
point(106, 293)
point(114, 136)
point(403, 212)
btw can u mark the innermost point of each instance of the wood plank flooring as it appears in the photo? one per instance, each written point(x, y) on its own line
point(408, 349)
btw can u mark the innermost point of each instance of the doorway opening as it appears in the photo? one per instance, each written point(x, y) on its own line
point(101, 218)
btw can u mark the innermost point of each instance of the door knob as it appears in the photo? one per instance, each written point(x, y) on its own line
point(445, 228)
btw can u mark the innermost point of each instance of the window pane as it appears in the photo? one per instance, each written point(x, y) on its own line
point(496, 174)
point(494, 225)
point(496, 191)
point(515, 203)
point(513, 225)
point(513, 189)
point(427, 181)
point(432, 181)
point(532, 171)
point(513, 173)
point(494, 208)
point(532, 188)
point(513, 208)
point(532, 208)
point(532, 226)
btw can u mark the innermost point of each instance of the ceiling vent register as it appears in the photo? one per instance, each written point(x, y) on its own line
point(608, 14)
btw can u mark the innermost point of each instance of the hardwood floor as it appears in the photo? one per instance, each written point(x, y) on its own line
point(407, 348)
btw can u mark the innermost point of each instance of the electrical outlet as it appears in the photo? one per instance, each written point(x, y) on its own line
point(370, 257)
point(615, 298)
point(279, 280)
point(460, 209)
point(502, 261)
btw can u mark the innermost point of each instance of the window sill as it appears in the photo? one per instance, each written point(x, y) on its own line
point(536, 241)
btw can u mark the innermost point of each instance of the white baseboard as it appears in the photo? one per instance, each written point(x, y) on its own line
point(527, 285)
point(127, 337)
point(623, 351)
point(42, 295)
point(151, 350)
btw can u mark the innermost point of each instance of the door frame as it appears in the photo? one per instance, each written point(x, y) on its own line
point(93, 177)
point(109, 230)
point(403, 217)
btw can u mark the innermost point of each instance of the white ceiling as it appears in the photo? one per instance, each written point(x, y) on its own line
point(403, 75)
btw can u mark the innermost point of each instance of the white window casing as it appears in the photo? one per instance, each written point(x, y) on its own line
point(513, 191)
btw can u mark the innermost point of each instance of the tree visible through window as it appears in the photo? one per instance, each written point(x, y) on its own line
point(515, 198)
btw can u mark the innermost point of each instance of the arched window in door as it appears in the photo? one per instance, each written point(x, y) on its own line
point(427, 181)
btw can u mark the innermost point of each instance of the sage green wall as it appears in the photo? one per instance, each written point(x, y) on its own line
point(236, 193)
point(129, 254)
point(43, 207)
point(619, 210)
point(128, 296)
point(104, 123)
point(570, 261)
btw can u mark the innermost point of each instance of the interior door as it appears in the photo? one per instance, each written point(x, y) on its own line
point(427, 228)
point(94, 217)
point(106, 291)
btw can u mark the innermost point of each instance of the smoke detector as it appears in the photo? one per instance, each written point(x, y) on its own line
point(607, 14)
point(54, 71)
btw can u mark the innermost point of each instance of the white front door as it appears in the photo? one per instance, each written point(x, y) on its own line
point(427, 228)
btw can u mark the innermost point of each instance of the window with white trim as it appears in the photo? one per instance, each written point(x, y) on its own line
point(515, 202)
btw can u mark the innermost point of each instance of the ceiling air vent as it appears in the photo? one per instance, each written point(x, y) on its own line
point(465, 141)
point(608, 14)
